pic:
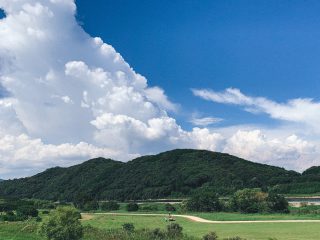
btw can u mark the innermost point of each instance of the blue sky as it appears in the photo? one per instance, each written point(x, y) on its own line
point(265, 48)
point(240, 77)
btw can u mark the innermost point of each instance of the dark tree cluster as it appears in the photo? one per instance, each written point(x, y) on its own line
point(245, 201)
point(17, 210)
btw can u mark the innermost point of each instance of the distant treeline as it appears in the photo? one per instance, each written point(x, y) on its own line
point(177, 173)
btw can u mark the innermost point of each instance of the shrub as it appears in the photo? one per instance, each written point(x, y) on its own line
point(27, 211)
point(170, 208)
point(128, 227)
point(90, 206)
point(109, 206)
point(157, 234)
point(148, 207)
point(132, 207)
point(174, 230)
point(204, 201)
point(63, 224)
point(11, 217)
point(210, 236)
point(45, 212)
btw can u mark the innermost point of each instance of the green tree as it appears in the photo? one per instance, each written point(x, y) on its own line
point(250, 201)
point(132, 207)
point(204, 201)
point(91, 206)
point(27, 211)
point(277, 203)
point(109, 206)
point(63, 224)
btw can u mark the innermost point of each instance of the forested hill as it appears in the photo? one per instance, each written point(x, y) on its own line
point(175, 173)
point(314, 171)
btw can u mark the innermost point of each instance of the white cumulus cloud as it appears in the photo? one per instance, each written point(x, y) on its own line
point(70, 97)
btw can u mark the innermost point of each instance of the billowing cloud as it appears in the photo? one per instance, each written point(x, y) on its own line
point(69, 97)
point(291, 152)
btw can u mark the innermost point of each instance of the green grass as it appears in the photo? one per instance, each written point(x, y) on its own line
point(18, 231)
point(251, 231)
point(302, 195)
point(296, 213)
point(223, 216)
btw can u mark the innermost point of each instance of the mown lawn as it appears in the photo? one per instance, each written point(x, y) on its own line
point(251, 231)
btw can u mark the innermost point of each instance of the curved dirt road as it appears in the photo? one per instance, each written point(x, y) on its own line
point(201, 220)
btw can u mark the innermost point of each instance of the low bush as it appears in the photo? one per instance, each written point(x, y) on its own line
point(132, 207)
point(170, 208)
point(11, 217)
point(157, 234)
point(128, 227)
point(174, 230)
point(90, 206)
point(109, 206)
point(148, 207)
point(307, 209)
point(210, 236)
point(118, 234)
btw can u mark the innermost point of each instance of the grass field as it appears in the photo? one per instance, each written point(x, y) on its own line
point(18, 231)
point(226, 216)
point(222, 216)
point(251, 231)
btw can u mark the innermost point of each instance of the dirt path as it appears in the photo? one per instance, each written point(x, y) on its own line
point(201, 220)
point(86, 216)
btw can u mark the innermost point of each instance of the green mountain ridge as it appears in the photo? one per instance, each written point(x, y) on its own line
point(312, 171)
point(176, 173)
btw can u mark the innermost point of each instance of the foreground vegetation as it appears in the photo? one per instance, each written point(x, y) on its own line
point(250, 231)
point(99, 228)
point(52, 220)
point(175, 173)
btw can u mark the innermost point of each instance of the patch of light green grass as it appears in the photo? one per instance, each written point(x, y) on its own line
point(251, 231)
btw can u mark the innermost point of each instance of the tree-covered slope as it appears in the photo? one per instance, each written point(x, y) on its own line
point(173, 173)
point(315, 171)
point(307, 183)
